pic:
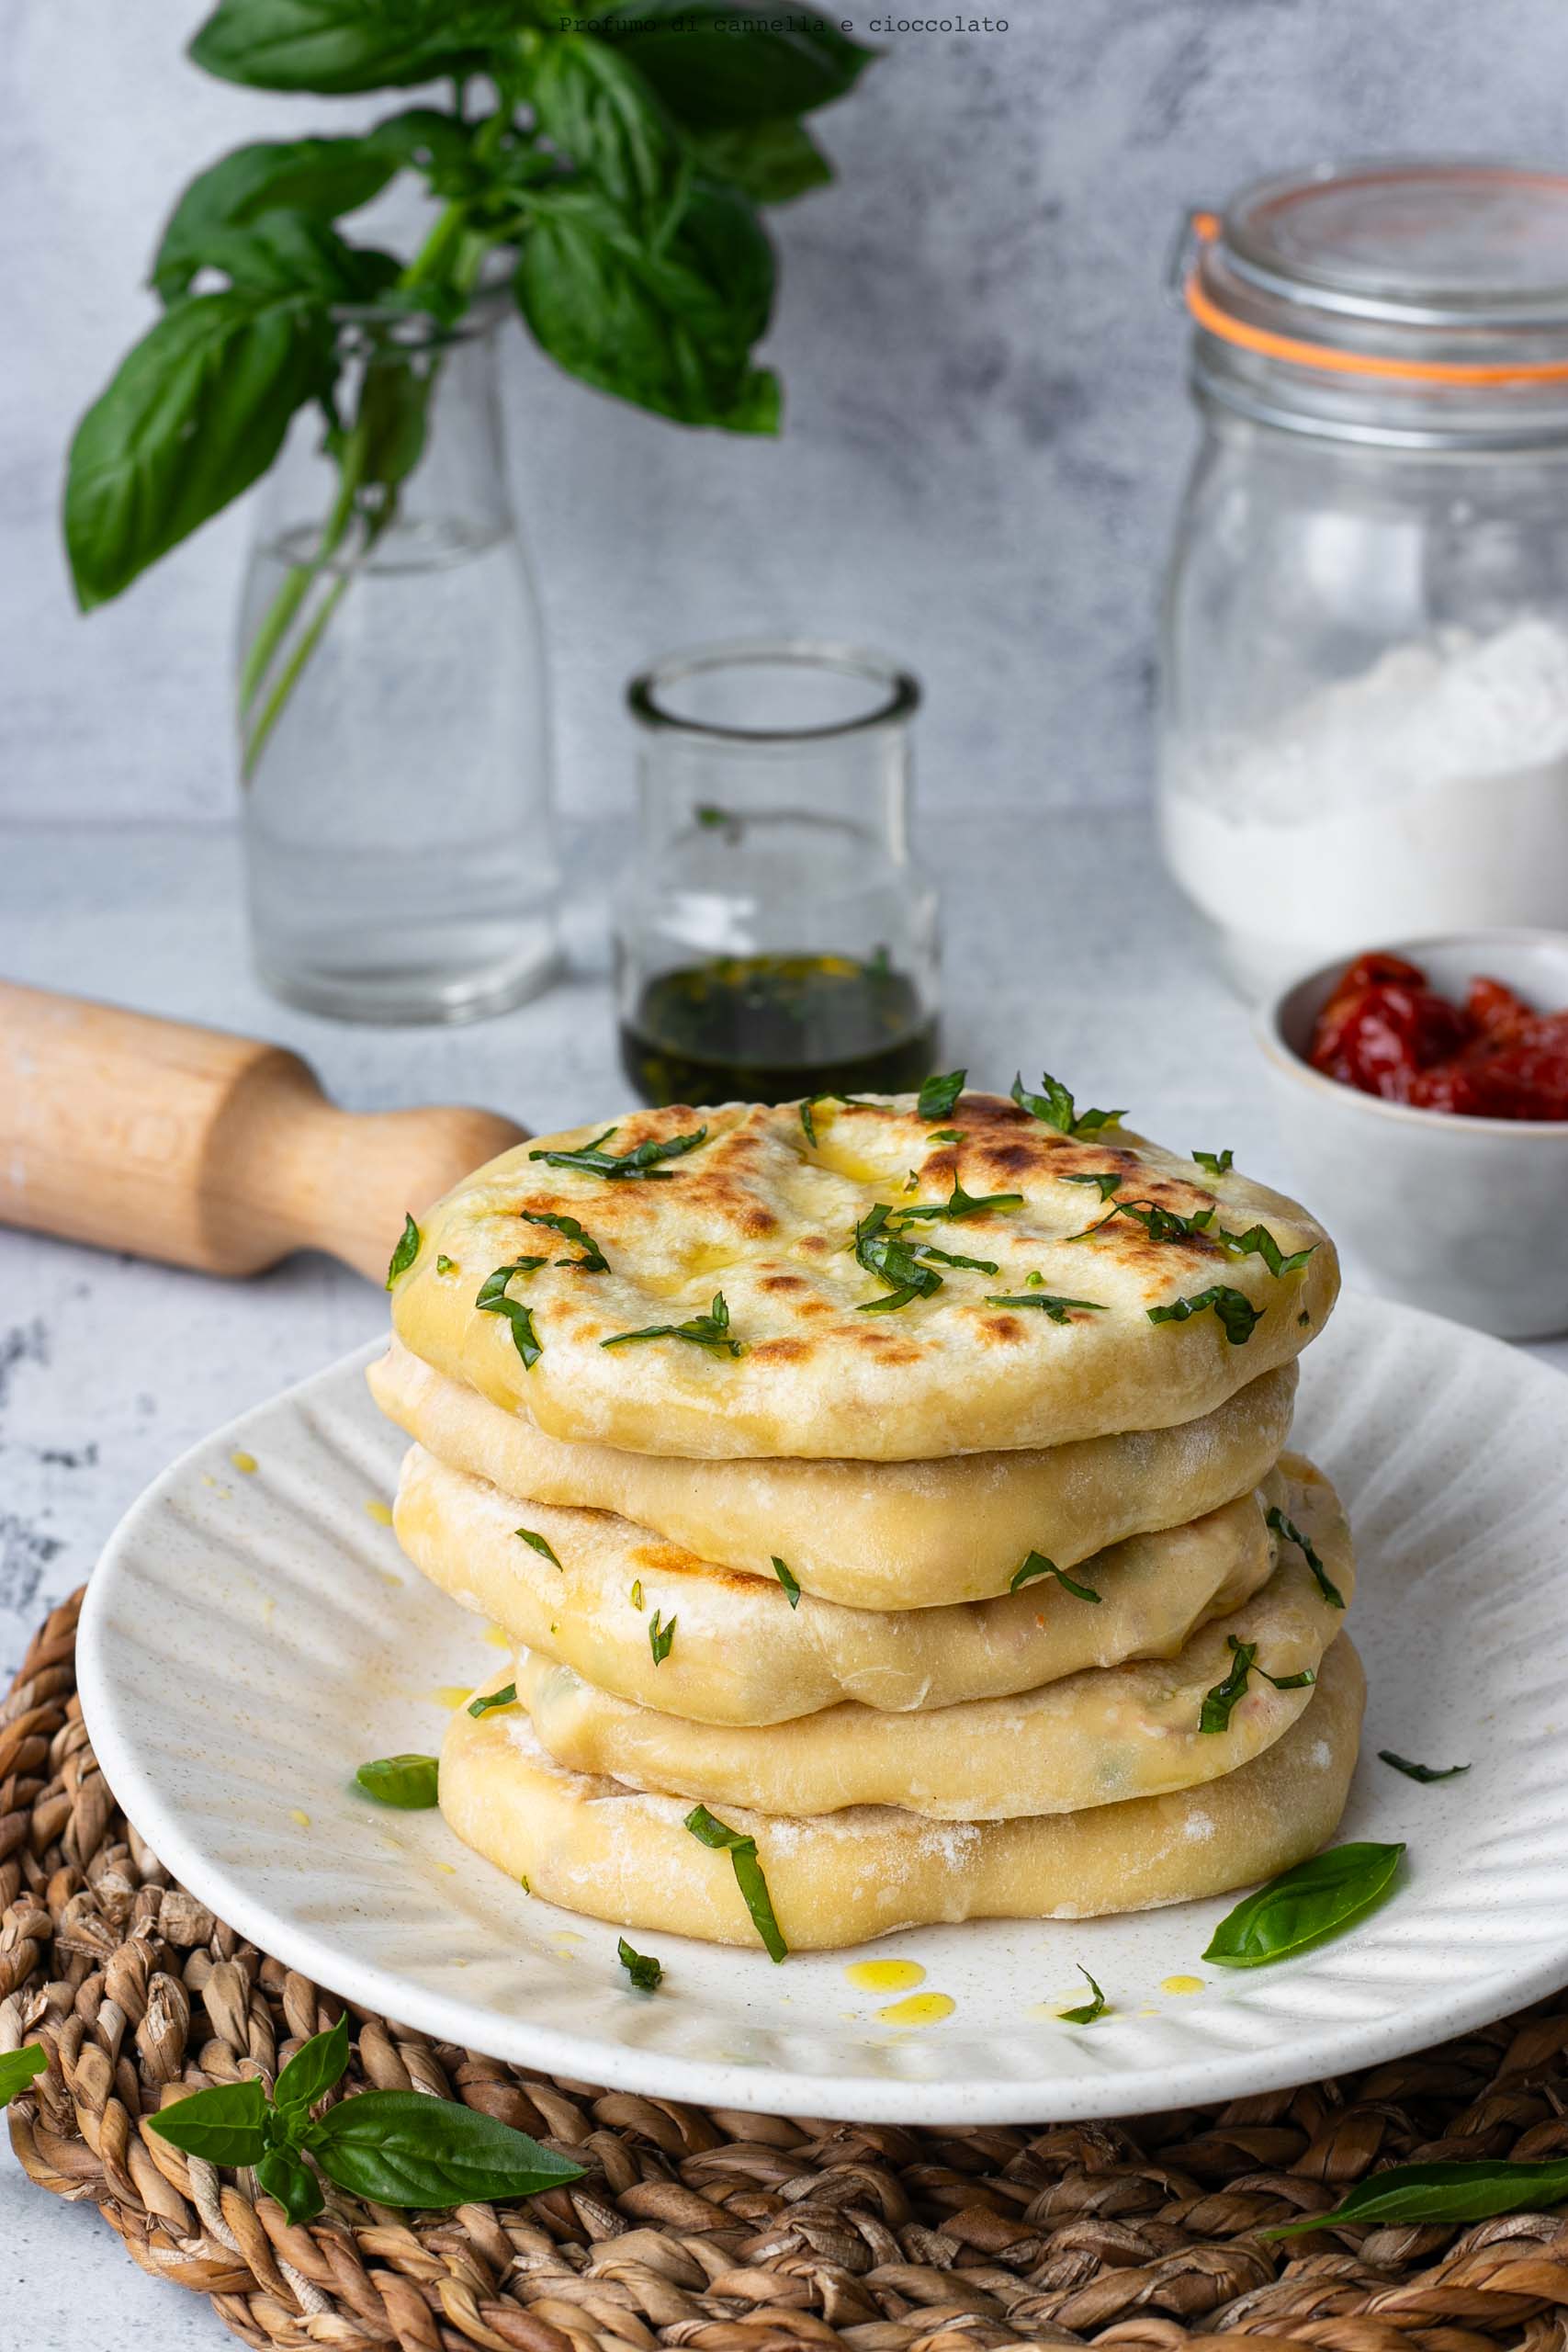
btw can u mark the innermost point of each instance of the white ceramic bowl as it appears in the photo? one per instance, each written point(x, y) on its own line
point(1466, 1216)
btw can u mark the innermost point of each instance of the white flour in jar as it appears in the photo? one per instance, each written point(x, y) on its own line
point(1429, 794)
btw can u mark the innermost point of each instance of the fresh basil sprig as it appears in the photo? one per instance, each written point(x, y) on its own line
point(491, 1299)
point(742, 1851)
point(709, 1330)
point(592, 1260)
point(1302, 1905)
point(19, 2068)
point(395, 2147)
point(1090, 2010)
point(659, 1638)
point(1439, 2193)
point(645, 1971)
point(787, 1578)
point(937, 1095)
point(489, 1699)
point(1215, 1711)
point(1058, 1310)
point(1293, 1534)
point(406, 1251)
point(639, 1166)
point(1035, 1564)
point(1425, 1773)
point(1218, 1163)
point(408, 1782)
point(1054, 1105)
point(1238, 1316)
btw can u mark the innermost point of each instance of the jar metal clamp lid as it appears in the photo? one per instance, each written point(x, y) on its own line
point(1418, 303)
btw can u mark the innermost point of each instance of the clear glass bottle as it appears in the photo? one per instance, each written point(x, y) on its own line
point(774, 936)
point(393, 710)
point(1365, 680)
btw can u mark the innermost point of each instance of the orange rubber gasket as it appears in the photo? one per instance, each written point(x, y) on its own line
point(1327, 356)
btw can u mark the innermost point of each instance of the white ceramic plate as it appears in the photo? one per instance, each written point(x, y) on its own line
point(253, 1634)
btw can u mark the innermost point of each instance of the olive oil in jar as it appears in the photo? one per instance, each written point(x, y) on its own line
point(769, 1028)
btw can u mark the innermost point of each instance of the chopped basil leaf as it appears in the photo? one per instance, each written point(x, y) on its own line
point(856, 1102)
point(637, 1594)
point(1055, 1106)
point(912, 1182)
point(640, 1165)
point(523, 1883)
point(1258, 1242)
point(1303, 1904)
point(937, 1095)
point(444, 1265)
point(406, 1251)
point(538, 1543)
point(710, 815)
point(1293, 1534)
point(505, 1697)
point(640, 1966)
point(1216, 1714)
point(1422, 1772)
point(749, 1878)
point(1169, 1224)
point(659, 1638)
point(709, 1330)
point(593, 1261)
point(407, 1782)
point(1090, 2009)
point(959, 1204)
point(927, 1250)
point(492, 1300)
point(946, 1134)
point(787, 1580)
point(881, 1250)
point(1238, 1314)
point(1036, 1565)
point(1106, 1178)
point(1218, 1163)
point(1049, 1304)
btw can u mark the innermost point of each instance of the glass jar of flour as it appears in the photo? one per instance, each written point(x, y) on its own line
point(1365, 681)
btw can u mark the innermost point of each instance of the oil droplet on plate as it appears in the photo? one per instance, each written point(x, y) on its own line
point(1182, 1985)
point(920, 2009)
point(886, 1976)
point(450, 1869)
point(379, 1511)
point(450, 1695)
point(498, 1638)
point(245, 1462)
point(302, 1818)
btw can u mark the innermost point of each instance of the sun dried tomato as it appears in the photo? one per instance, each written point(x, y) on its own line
point(1385, 1031)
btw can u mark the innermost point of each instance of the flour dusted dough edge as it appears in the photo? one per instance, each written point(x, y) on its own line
point(892, 1535)
point(757, 1213)
point(596, 1848)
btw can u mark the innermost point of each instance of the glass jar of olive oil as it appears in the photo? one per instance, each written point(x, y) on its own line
point(774, 937)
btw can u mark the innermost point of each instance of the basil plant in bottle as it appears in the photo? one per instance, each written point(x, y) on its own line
point(596, 169)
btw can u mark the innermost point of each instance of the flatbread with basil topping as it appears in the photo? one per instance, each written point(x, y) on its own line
point(737, 1287)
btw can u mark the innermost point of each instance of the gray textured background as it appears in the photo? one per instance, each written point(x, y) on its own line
point(986, 429)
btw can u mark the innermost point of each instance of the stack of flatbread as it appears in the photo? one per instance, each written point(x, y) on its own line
point(888, 1511)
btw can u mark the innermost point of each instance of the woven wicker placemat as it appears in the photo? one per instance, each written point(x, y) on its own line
point(694, 2226)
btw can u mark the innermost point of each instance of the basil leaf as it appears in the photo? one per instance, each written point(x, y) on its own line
point(444, 1265)
point(337, 47)
point(196, 412)
point(315, 2066)
point(489, 1699)
point(20, 2067)
point(784, 1576)
point(1293, 1534)
point(1090, 2009)
point(1422, 1772)
point(640, 1966)
point(594, 1260)
point(710, 1331)
point(327, 177)
point(285, 2176)
point(491, 1299)
point(1059, 1310)
point(1441, 2193)
point(1106, 1178)
point(723, 64)
point(1237, 1315)
point(600, 113)
point(879, 1248)
point(927, 1250)
point(660, 1638)
point(1215, 1711)
point(1218, 1163)
point(226, 2125)
point(1035, 1564)
point(1258, 1242)
point(408, 1780)
point(287, 253)
point(771, 162)
point(749, 1878)
point(406, 1251)
point(937, 1095)
point(405, 2148)
point(1056, 1106)
point(946, 1134)
point(538, 1543)
point(1302, 1905)
point(638, 1166)
point(670, 327)
point(855, 1102)
point(636, 1594)
point(958, 1203)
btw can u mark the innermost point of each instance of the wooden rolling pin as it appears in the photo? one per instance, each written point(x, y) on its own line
point(205, 1150)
